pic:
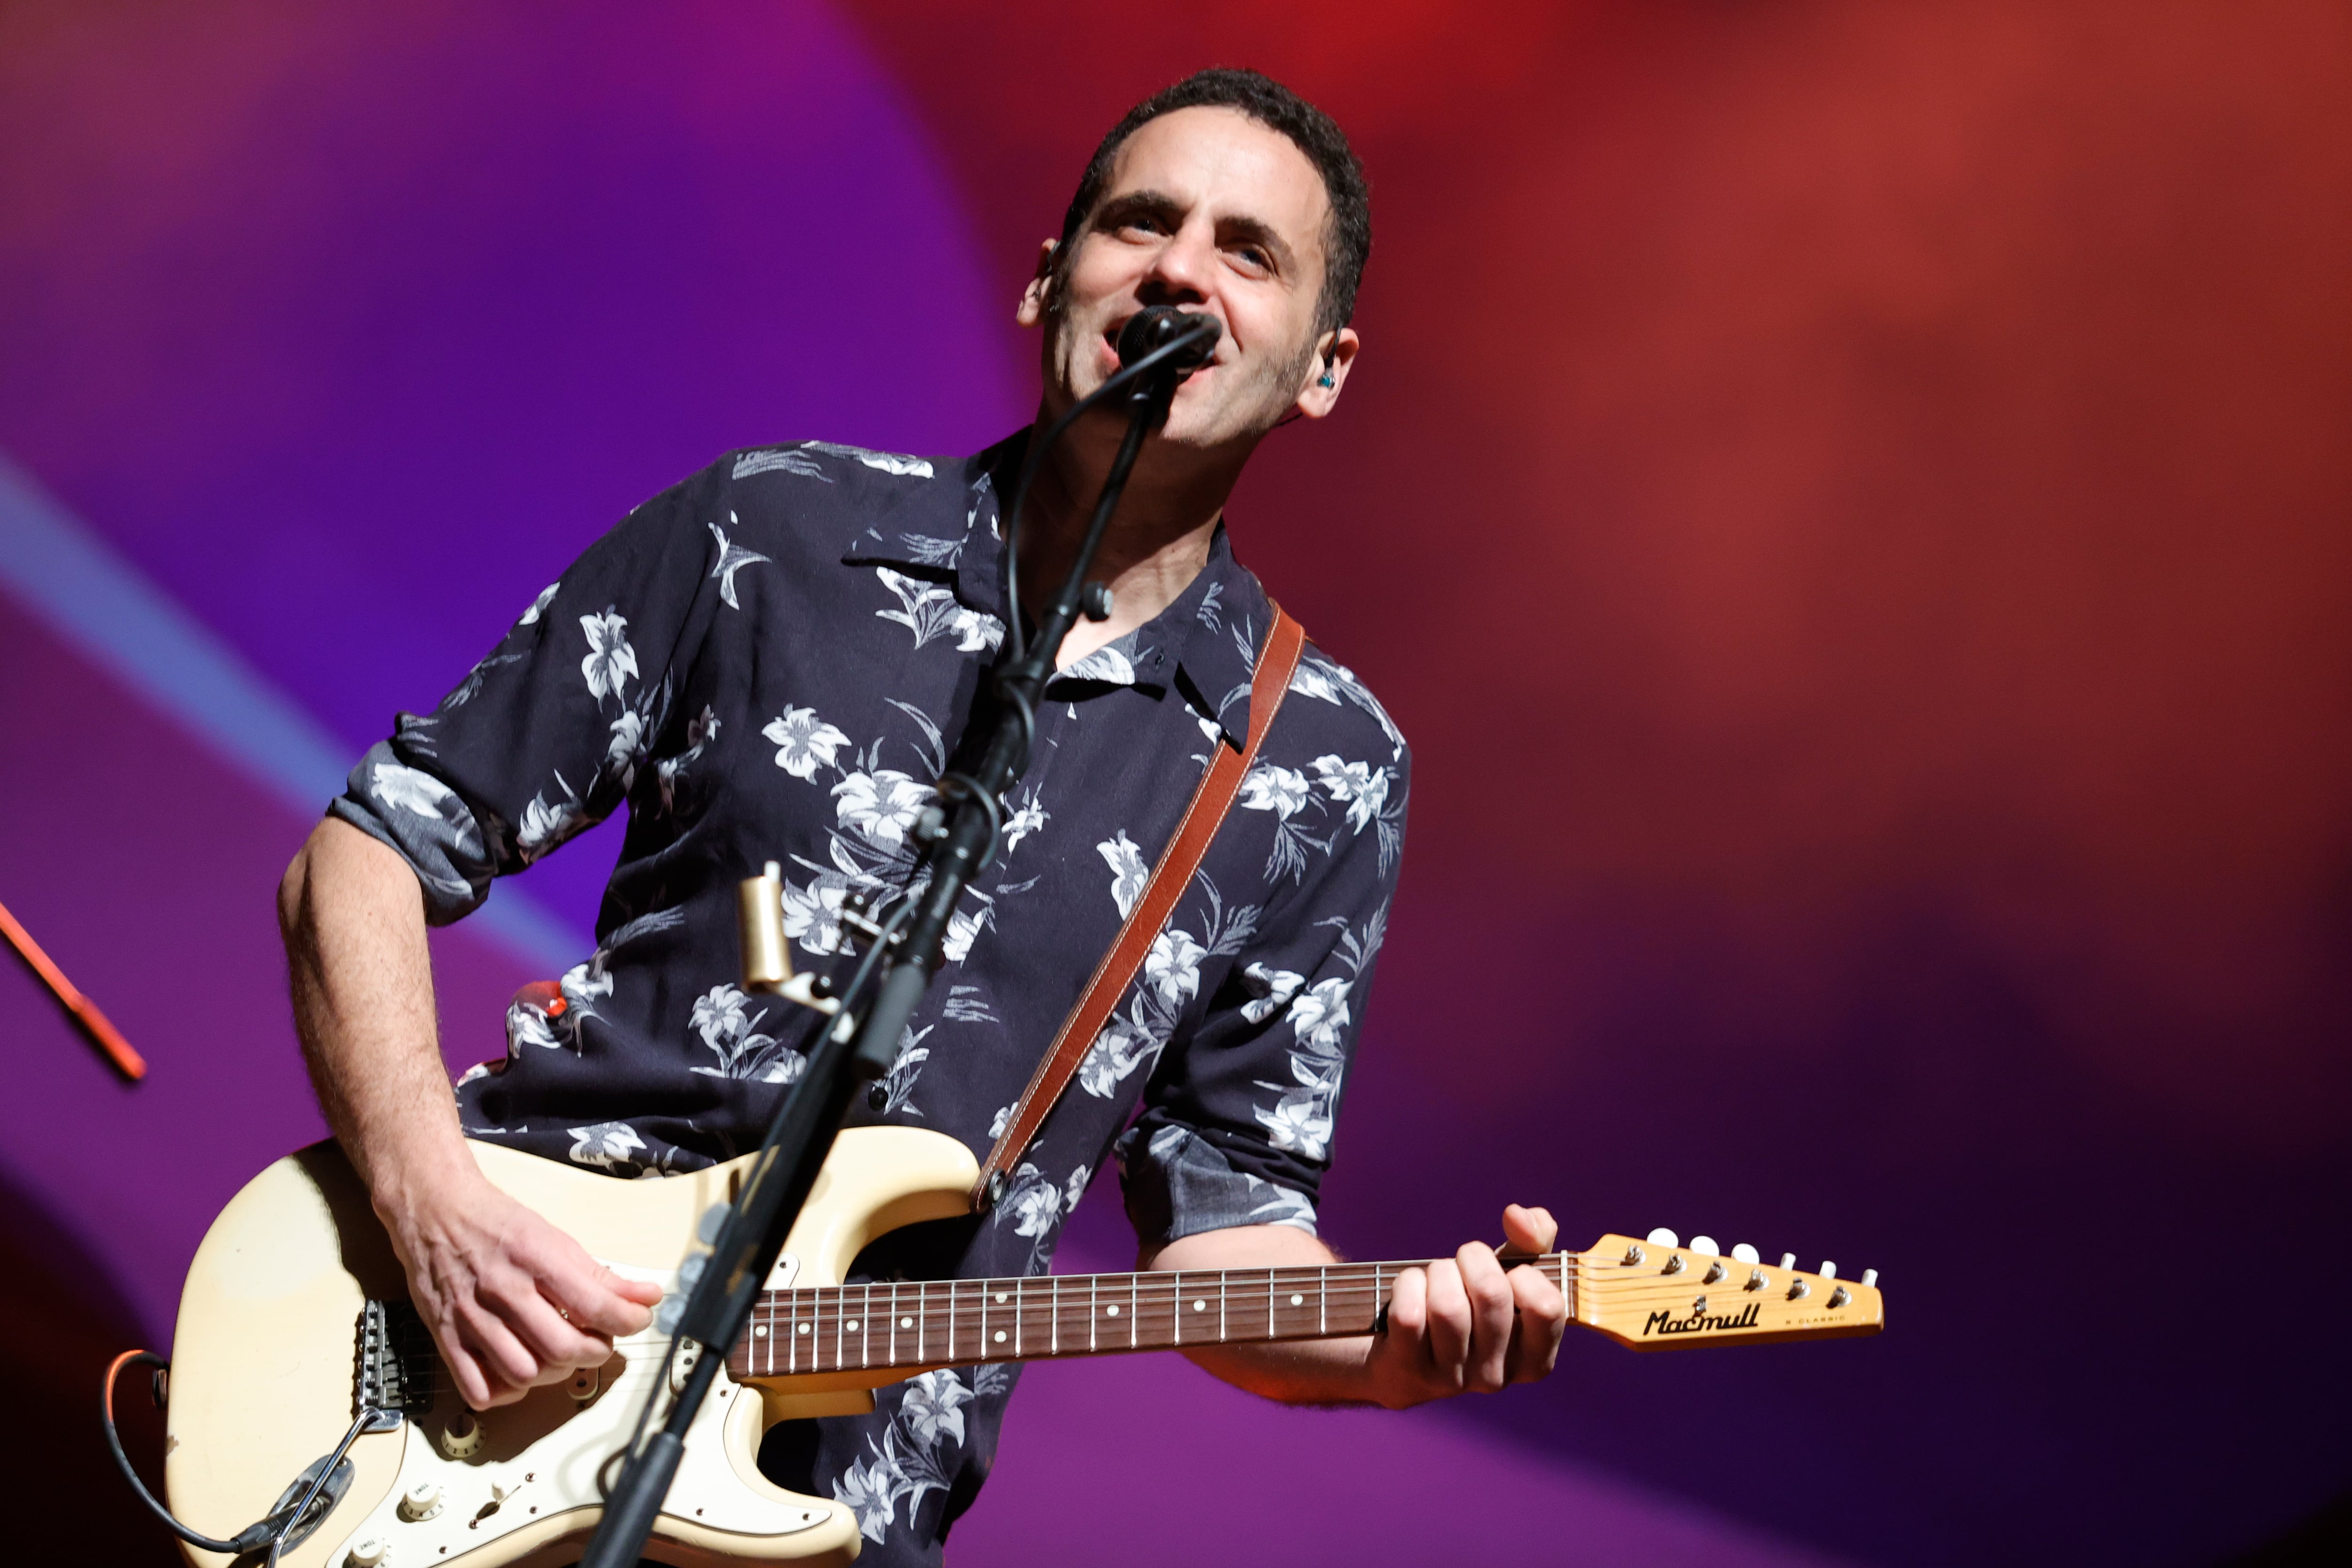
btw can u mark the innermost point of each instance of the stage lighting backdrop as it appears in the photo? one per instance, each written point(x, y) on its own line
point(1849, 504)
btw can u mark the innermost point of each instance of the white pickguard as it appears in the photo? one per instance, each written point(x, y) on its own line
point(538, 1458)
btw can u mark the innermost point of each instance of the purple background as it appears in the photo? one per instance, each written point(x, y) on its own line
point(1848, 504)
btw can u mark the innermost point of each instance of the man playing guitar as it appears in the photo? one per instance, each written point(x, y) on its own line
point(776, 660)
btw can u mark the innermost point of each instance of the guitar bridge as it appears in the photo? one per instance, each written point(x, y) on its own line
point(395, 1360)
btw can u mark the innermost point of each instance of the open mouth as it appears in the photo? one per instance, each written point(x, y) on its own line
point(1110, 342)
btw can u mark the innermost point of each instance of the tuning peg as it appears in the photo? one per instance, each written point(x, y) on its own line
point(1869, 1278)
point(1828, 1269)
point(1706, 1244)
point(1662, 1237)
point(1788, 1260)
point(1746, 1254)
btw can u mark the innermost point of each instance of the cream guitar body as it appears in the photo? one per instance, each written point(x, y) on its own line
point(295, 1326)
point(265, 1369)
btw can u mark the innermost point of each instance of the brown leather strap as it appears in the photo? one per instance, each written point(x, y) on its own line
point(1195, 832)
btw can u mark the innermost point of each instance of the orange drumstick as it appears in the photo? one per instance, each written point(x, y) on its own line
point(102, 1034)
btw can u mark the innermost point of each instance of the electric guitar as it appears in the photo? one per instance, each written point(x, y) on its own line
point(294, 1323)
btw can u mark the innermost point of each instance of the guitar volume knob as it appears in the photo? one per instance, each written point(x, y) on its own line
point(463, 1437)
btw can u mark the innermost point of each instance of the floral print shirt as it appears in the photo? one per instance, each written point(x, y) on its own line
point(775, 660)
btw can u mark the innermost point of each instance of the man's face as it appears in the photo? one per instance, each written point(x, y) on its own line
point(1207, 210)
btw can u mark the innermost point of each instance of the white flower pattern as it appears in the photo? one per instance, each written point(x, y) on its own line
point(804, 742)
point(1127, 872)
point(732, 558)
point(881, 805)
point(611, 661)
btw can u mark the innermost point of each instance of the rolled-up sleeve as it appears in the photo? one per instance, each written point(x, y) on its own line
point(1238, 1119)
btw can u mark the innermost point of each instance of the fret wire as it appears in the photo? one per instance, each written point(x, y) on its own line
point(791, 1315)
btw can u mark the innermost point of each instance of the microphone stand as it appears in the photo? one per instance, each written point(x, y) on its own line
point(961, 835)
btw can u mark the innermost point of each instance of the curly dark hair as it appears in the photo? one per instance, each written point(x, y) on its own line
point(1347, 237)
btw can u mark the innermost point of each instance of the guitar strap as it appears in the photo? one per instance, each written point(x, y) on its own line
point(1195, 832)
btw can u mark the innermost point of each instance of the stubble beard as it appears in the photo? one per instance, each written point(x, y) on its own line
point(1244, 412)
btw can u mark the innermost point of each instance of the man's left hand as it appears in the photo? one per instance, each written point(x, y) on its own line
point(1471, 1323)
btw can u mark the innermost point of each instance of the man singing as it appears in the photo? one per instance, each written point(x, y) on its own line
point(776, 660)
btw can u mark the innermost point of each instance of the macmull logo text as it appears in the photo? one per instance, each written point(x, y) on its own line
point(1700, 1322)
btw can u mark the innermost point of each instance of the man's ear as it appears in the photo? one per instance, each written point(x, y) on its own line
point(1327, 371)
point(1039, 295)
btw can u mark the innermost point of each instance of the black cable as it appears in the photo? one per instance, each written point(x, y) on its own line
point(969, 788)
point(1120, 380)
point(252, 1537)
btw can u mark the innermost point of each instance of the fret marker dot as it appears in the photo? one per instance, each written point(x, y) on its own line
point(1000, 1298)
point(1112, 1311)
point(761, 1332)
point(1299, 1301)
point(804, 1328)
point(852, 1325)
point(905, 1322)
point(1200, 1306)
point(999, 1336)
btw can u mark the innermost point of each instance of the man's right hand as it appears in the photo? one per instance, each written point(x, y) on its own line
point(513, 1302)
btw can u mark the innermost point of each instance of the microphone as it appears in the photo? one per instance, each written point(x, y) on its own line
point(1156, 326)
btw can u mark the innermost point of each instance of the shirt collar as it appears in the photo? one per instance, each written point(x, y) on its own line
point(1203, 646)
point(946, 527)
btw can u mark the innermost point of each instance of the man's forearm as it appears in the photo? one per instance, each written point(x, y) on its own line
point(511, 1302)
point(1294, 1372)
point(362, 977)
point(1468, 1322)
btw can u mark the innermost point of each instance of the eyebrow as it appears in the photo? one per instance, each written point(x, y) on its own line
point(1240, 227)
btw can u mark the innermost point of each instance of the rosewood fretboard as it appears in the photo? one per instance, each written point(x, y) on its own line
point(960, 1322)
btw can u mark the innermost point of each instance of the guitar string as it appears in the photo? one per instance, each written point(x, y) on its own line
point(831, 1306)
point(1159, 1319)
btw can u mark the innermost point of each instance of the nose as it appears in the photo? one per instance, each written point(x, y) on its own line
point(1180, 273)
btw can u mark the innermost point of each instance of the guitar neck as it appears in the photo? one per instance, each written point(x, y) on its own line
point(959, 1323)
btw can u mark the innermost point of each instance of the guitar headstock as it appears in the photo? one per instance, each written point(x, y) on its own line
point(1655, 1294)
